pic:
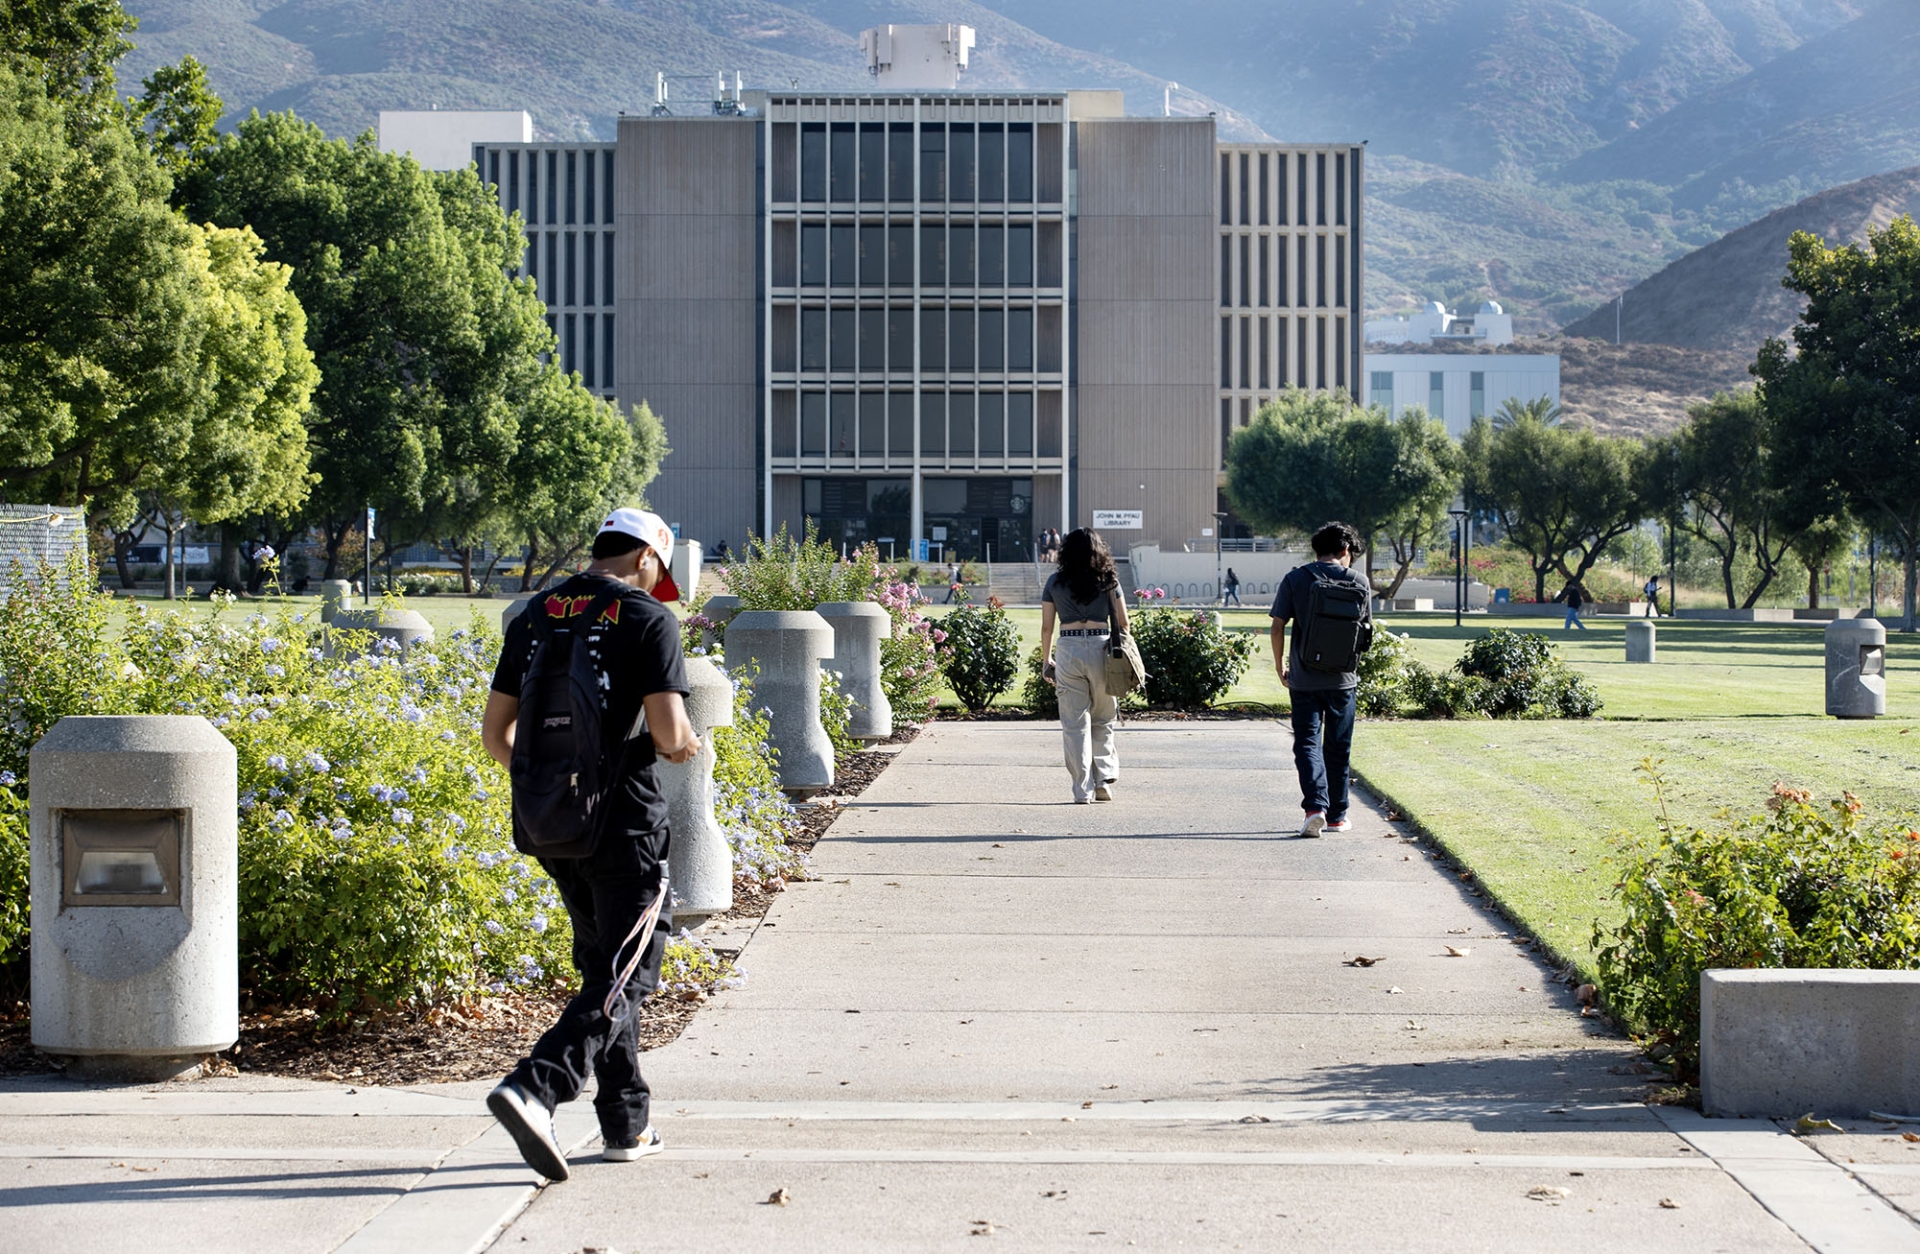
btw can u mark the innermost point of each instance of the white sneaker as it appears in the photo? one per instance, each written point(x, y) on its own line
point(1103, 792)
point(1340, 825)
point(531, 1126)
point(1314, 824)
point(646, 1143)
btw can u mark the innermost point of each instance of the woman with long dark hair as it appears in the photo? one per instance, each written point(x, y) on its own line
point(1082, 600)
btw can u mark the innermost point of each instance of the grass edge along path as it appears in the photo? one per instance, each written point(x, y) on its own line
point(1529, 809)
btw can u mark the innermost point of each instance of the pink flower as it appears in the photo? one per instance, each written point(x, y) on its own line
point(939, 637)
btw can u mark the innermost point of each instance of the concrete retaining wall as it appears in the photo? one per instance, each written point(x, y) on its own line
point(1783, 1043)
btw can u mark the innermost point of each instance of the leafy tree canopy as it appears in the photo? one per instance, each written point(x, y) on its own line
point(70, 46)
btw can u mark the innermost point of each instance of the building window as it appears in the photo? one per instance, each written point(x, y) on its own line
point(1226, 352)
point(1302, 272)
point(1226, 429)
point(1300, 361)
point(533, 189)
point(1246, 271)
point(1019, 341)
point(933, 255)
point(573, 268)
point(873, 162)
point(840, 433)
point(553, 187)
point(1264, 266)
point(1280, 189)
point(993, 341)
point(606, 187)
point(608, 378)
point(933, 164)
point(1265, 177)
point(1339, 352)
point(553, 266)
point(813, 424)
point(1477, 394)
point(1246, 190)
point(513, 182)
point(900, 163)
point(1320, 188)
point(933, 428)
point(960, 338)
point(960, 425)
point(993, 425)
point(813, 162)
point(1320, 354)
point(573, 188)
point(1300, 189)
point(873, 425)
point(960, 163)
point(960, 255)
point(873, 341)
point(606, 268)
point(841, 180)
point(841, 340)
point(873, 255)
point(1264, 351)
point(933, 340)
point(1226, 189)
point(785, 425)
point(900, 256)
point(493, 167)
point(993, 258)
point(813, 254)
point(842, 255)
point(1320, 269)
point(900, 426)
point(1019, 424)
point(1280, 266)
point(533, 262)
point(568, 359)
point(1380, 385)
point(1020, 256)
point(1340, 189)
point(786, 254)
point(1226, 270)
point(900, 341)
point(587, 271)
point(1020, 163)
point(1436, 393)
point(586, 346)
point(993, 163)
point(1246, 351)
point(785, 332)
point(813, 339)
point(1339, 275)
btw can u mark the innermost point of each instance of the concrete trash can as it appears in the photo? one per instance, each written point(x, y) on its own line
point(514, 609)
point(335, 595)
point(720, 611)
point(787, 647)
point(403, 627)
point(1640, 641)
point(135, 889)
point(858, 629)
point(700, 862)
point(1856, 668)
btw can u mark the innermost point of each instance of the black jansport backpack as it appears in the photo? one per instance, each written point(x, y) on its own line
point(562, 779)
point(1333, 632)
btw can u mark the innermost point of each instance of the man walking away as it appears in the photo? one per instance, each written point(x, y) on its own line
point(1652, 591)
point(953, 583)
point(1230, 589)
point(588, 693)
point(1329, 604)
point(1574, 602)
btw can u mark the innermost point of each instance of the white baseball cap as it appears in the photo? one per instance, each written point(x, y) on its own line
point(656, 535)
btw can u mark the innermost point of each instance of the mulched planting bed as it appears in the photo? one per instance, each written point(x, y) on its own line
point(479, 1041)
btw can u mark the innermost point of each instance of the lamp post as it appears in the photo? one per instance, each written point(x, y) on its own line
point(1461, 539)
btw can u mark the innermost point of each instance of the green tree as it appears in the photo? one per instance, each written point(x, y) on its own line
point(578, 457)
point(427, 350)
point(70, 46)
point(1307, 458)
point(1558, 492)
point(1846, 403)
point(1540, 409)
point(179, 116)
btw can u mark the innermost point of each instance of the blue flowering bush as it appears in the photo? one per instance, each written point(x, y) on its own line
point(376, 860)
point(748, 803)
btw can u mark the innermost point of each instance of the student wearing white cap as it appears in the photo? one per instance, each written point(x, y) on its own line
point(591, 687)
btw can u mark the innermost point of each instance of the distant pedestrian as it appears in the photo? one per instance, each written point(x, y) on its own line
point(1082, 599)
point(591, 810)
point(1328, 603)
point(954, 591)
point(1230, 590)
point(1652, 591)
point(1574, 601)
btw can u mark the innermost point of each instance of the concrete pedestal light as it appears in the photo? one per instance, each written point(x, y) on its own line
point(1856, 668)
point(787, 646)
point(403, 627)
point(135, 884)
point(720, 610)
point(858, 629)
point(514, 609)
point(1640, 641)
point(701, 864)
point(335, 595)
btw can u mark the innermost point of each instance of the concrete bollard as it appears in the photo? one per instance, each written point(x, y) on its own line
point(1783, 1042)
point(405, 627)
point(1640, 641)
point(513, 611)
point(858, 629)
point(721, 610)
point(701, 863)
point(1856, 668)
point(335, 595)
point(685, 568)
point(787, 646)
point(134, 867)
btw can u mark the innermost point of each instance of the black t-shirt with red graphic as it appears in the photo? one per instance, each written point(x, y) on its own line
point(635, 646)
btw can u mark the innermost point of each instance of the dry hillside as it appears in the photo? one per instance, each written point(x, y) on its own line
point(1727, 296)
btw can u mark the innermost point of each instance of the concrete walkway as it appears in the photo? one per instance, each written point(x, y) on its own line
point(997, 1016)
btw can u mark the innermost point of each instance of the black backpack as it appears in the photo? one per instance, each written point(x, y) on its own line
point(562, 778)
point(1333, 631)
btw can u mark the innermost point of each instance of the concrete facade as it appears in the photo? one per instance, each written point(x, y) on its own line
point(443, 139)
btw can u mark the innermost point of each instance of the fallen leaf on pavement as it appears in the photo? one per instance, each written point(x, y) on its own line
point(1361, 960)
point(1910, 1136)
point(1667, 1203)
point(1589, 1012)
point(1109, 1086)
point(779, 1197)
point(1586, 994)
point(984, 1229)
point(1255, 1119)
point(1086, 1105)
point(1806, 1125)
point(1548, 1193)
point(1459, 951)
point(1395, 989)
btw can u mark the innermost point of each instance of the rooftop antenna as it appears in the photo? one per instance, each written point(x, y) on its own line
point(660, 94)
point(1166, 100)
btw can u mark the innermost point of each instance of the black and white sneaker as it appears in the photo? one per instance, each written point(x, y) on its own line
point(531, 1126)
point(633, 1148)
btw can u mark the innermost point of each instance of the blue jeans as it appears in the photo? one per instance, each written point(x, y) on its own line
point(1323, 768)
point(1573, 620)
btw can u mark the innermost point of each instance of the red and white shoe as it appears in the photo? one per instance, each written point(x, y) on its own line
point(1314, 824)
point(1340, 825)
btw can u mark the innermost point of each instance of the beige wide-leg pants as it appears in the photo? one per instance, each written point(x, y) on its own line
point(1086, 712)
